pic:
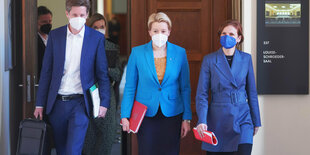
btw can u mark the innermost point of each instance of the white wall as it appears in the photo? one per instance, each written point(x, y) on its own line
point(285, 118)
point(100, 6)
point(58, 9)
point(1, 67)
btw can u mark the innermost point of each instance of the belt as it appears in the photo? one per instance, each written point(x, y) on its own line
point(230, 97)
point(69, 97)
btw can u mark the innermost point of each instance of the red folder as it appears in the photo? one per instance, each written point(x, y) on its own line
point(137, 114)
point(209, 137)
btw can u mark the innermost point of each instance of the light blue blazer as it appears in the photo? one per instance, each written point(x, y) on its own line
point(233, 111)
point(172, 95)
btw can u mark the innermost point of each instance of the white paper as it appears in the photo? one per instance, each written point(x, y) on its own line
point(96, 102)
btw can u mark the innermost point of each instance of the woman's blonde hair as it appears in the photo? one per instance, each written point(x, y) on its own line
point(159, 17)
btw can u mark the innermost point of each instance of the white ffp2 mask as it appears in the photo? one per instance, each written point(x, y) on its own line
point(159, 39)
point(77, 22)
point(101, 31)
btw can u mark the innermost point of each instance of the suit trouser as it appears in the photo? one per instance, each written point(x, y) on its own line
point(69, 122)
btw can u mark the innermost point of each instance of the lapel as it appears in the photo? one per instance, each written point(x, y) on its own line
point(169, 60)
point(223, 66)
point(86, 39)
point(63, 43)
point(236, 65)
point(149, 56)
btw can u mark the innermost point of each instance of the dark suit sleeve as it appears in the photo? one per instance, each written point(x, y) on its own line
point(41, 50)
point(46, 73)
point(252, 95)
point(202, 95)
point(102, 75)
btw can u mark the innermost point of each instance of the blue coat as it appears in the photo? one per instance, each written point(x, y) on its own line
point(93, 68)
point(233, 111)
point(173, 94)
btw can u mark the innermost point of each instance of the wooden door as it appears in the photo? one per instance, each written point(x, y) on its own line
point(29, 56)
point(16, 81)
point(22, 75)
point(194, 27)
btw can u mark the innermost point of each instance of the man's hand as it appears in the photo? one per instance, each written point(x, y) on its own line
point(38, 112)
point(102, 112)
point(186, 127)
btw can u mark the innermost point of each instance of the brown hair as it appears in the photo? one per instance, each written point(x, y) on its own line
point(71, 3)
point(95, 17)
point(236, 24)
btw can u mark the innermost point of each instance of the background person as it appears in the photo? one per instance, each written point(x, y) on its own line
point(101, 133)
point(99, 23)
point(233, 112)
point(158, 77)
point(44, 28)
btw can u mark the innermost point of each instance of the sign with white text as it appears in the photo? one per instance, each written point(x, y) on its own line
point(283, 46)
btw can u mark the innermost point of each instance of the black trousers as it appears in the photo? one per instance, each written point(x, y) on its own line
point(243, 149)
point(160, 135)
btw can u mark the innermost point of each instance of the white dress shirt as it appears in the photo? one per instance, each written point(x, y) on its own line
point(71, 80)
point(44, 40)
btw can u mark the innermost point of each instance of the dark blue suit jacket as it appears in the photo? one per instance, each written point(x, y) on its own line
point(93, 68)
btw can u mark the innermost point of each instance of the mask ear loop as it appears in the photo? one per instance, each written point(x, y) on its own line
point(238, 45)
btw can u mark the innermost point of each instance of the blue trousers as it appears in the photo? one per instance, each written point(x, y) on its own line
point(69, 122)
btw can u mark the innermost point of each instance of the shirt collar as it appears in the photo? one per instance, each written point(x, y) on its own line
point(44, 40)
point(80, 34)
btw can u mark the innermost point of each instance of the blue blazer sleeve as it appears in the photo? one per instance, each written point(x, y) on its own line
point(102, 75)
point(184, 82)
point(46, 73)
point(130, 86)
point(252, 96)
point(202, 95)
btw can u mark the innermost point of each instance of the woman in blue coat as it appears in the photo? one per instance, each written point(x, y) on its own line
point(226, 99)
point(158, 77)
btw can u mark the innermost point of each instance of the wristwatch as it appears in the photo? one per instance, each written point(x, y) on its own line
point(188, 121)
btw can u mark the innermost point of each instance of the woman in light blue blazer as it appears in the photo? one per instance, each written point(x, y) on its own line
point(158, 77)
point(227, 81)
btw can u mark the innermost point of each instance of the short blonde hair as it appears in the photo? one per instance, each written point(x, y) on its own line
point(159, 17)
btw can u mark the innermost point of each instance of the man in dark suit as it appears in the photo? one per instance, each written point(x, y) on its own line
point(44, 27)
point(74, 61)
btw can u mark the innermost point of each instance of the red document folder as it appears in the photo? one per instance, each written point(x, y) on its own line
point(209, 137)
point(137, 114)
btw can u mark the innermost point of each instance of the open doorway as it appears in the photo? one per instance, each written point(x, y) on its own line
point(130, 30)
point(115, 14)
point(24, 76)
